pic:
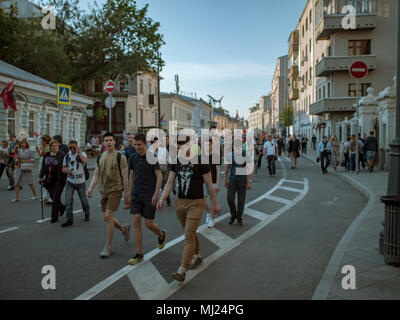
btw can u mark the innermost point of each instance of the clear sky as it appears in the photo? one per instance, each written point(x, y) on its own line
point(223, 47)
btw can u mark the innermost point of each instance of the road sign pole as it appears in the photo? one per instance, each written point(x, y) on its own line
point(357, 129)
point(109, 117)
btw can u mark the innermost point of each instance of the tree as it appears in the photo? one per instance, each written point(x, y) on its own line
point(117, 38)
point(287, 116)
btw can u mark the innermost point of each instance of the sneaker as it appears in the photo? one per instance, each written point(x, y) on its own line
point(211, 223)
point(10, 188)
point(136, 260)
point(126, 233)
point(208, 216)
point(106, 253)
point(179, 275)
point(195, 262)
point(34, 198)
point(161, 241)
point(67, 224)
point(15, 200)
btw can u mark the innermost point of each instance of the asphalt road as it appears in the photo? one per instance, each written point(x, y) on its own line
point(280, 253)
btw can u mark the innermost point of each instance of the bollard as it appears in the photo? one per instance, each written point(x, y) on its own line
point(391, 241)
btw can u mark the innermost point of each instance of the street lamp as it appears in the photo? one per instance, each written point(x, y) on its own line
point(394, 156)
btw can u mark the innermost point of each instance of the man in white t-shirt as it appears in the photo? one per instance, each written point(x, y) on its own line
point(271, 154)
point(74, 165)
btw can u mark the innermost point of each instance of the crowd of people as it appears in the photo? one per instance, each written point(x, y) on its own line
point(125, 172)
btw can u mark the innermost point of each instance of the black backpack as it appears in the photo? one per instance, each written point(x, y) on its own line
point(85, 169)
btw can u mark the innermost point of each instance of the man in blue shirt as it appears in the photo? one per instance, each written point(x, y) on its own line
point(145, 184)
point(324, 150)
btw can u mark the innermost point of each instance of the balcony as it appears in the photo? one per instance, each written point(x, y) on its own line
point(293, 72)
point(333, 23)
point(333, 105)
point(293, 94)
point(293, 42)
point(332, 64)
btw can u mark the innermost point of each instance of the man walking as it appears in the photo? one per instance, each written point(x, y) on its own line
point(74, 166)
point(314, 141)
point(145, 182)
point(271, 154)
point(129, 152)
point(190, 204)
point(238, 182)
point(112, 174)
point(324, 150)
point(370, 150)
point(304, 142)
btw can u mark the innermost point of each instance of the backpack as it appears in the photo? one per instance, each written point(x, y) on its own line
point(119, 156)
point(85, 169)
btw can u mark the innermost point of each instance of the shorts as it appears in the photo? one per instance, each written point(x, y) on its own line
point(143, 206)
point(370, 155)
point(111, 201)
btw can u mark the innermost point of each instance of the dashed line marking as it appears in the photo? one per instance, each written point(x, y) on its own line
point(290, 189)
point(9, 230)
point(256, 214)
point(277, 199)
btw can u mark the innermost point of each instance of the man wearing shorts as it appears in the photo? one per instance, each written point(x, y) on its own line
point(112, 174)
point(145, 182)
point(370, 150)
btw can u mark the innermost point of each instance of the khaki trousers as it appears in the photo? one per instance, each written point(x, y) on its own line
point(189, 213)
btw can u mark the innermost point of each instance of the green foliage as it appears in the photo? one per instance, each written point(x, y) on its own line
point(287, 116)
point(101, 113)
point(116, 38)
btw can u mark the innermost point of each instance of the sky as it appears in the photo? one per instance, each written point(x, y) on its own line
point(223, 47)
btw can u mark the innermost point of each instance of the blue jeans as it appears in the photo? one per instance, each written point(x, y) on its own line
point(353, 162)
point(69, 199)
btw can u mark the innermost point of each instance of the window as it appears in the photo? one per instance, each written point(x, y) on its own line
point(150, 91)
point(323, 92)
point(362, 89)
point(359, 47)
point(141, 118)
point(310, 73)
point(11, 122)
point(141, 86)
point(319, 93)
point(123, 85)
point(98, 85)
point(310, 16)
point(329, 90)
point(31, 124)
point(306, 24)
point(310, 46)
point(47, 125)
point(303, 31)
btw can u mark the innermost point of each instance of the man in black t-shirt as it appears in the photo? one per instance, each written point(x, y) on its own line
point(190, 204)
point(145, 183)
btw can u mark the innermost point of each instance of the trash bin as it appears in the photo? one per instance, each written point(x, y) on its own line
point(391, 241)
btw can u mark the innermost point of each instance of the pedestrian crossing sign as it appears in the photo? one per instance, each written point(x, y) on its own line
point(64, 94)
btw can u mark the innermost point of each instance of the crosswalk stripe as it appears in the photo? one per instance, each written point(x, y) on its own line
point(146, 280)
point(291, 189)
point(256, 214)
point(217, 237)
point(294, 181)
point(9, 230)
point(277, 199)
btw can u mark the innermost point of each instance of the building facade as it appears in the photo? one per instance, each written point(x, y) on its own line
point(136, 107)
point(279, 96)
point(37, 110)
point(175, 108)
point(321, 52)
point(26, 9)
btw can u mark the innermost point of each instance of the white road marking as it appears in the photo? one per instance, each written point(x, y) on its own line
point(256, 214)
point(217, 237)
point(146, 279)
point(77, 211)
point(9, 230)
point(290, 189)
point(44, 220)
point(226, 247)
point(277, 199)
point(293, 181)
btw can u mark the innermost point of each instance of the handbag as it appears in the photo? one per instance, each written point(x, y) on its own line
point(26, 167)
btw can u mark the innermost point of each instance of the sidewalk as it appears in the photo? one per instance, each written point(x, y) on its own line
point(359, 246)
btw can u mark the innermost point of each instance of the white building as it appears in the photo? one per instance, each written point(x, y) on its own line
point(37, 109)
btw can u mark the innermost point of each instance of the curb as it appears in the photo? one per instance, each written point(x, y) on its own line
point(328, 278)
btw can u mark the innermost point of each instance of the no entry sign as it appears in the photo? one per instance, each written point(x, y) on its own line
point(109, 87)
point(358, 70)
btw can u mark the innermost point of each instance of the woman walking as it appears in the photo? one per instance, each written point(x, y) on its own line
point(294, 151)
point(23, 172)
point(335, 149)
point(53, 179)
point(45, 148)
